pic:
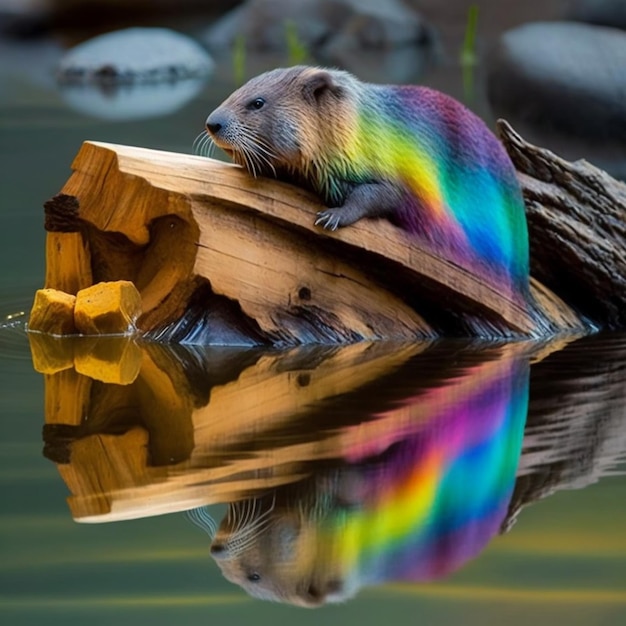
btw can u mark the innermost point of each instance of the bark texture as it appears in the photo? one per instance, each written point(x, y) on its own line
point(577, 226)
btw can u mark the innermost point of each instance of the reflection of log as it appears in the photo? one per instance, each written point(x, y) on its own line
point(576, 427)
point(163, 443)
point(221, 257)
point(256, 420)
point(202, 427)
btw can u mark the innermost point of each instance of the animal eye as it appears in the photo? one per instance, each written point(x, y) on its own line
point(254, 577)
point(257, 104)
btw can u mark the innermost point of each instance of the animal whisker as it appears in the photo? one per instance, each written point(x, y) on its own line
point(203, 144)
point(199, 141)
point(243, 540)
point(264, 152)
point(201, 518)
point(247, 161)
point(249, 521)
point(242, 515)
point(254, 154)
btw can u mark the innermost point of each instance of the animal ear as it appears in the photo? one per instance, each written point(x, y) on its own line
point(318, 84)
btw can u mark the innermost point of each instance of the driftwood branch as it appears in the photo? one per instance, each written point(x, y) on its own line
point(577, 225)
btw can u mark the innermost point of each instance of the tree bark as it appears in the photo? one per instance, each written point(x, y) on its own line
point(577, 226)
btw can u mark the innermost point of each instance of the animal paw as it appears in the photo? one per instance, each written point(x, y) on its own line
point(330, 219)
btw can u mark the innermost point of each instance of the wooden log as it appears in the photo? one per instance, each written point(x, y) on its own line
point(577, 226)
point(220, 257)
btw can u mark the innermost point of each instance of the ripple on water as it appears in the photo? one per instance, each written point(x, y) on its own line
point(13, 339)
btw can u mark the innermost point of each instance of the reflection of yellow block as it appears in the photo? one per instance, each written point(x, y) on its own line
point(109, 359)
point(53, 312)
point(51, 354)
point(110, 308)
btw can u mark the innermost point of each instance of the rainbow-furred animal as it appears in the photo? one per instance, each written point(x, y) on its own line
point(408, 153)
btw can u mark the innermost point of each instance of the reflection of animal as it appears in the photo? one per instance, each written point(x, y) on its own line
point(408, 153)
point(272, 548)
point(416, 508)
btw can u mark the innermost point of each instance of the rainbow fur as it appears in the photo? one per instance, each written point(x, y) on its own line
point(436, 496)
point(464, 194)
point(411, 154)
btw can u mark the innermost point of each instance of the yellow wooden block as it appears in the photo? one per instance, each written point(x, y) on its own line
point(108, 359)
point(53, 312)
point(109, 308)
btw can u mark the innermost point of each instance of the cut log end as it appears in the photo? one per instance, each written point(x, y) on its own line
point(53, 312)
point(107, 308)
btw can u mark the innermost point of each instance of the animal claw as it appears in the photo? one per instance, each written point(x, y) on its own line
point(328, 220)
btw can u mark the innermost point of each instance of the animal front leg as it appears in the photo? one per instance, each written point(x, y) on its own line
point(366, 200)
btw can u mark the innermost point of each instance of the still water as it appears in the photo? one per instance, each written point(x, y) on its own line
point(445, 483)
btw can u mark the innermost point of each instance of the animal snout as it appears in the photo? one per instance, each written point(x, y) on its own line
point(214, 124)
point(218, 550)
point(319, 594)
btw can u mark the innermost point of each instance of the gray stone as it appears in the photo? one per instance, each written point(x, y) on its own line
point(565, 76)
point(28, 18)
point(135, 55)
point(599, 12)
point(361, 24)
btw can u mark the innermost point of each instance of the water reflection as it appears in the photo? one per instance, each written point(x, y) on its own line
point(413, 499)
point(131, 102)
point(342, 467)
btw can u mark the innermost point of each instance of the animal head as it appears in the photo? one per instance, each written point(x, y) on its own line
point(284, 120)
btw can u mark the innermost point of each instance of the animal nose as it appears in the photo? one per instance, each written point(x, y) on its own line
point(218, 550)
point(214, 125)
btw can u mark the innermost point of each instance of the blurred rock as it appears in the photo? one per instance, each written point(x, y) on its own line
point(599, 12)
point(563, 76)
point(25, 18)
point(135, 55)
point(364, 24)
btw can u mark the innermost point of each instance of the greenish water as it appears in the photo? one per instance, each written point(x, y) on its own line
point(563, 561)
